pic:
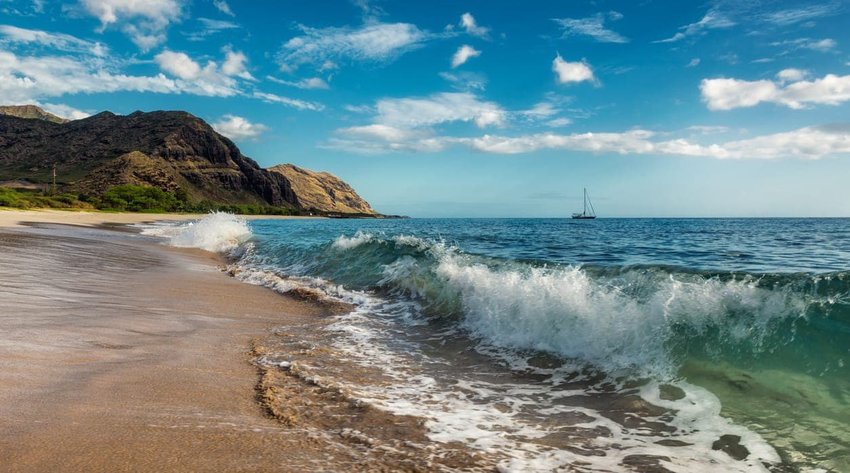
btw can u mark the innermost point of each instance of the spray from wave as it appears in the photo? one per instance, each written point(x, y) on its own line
point(218, 232)
point(632, 320)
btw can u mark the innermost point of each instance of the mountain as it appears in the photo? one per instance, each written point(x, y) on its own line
point(166, 149)
point(322, 191)
point(30, 111)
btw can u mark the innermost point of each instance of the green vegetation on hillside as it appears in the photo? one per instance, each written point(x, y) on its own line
point(28, 199)
point(130, 198)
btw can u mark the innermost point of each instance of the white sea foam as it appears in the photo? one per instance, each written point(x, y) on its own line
point(504, 418)
point(218, 232)
point(618, 323)
point(346, 243)
point(614, 324)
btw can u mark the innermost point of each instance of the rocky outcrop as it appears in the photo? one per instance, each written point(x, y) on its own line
point(30, 111)
point(322, 191)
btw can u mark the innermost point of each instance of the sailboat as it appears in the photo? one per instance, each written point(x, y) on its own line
point(584, 214)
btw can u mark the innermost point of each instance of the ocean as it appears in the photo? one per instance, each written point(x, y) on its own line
point(576, 345)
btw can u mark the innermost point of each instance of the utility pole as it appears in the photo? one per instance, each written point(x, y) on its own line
point(54, 178)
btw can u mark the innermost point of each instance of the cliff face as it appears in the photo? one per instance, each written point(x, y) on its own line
point(322, 191)
point(29, 111)
point(162, 149)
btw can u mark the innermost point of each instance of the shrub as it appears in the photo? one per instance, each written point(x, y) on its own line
point(8, 197)
point(138, 199)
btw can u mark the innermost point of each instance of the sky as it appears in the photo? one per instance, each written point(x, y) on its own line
point(479, 108)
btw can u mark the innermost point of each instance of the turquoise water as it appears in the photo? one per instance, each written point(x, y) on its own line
point(702, 327)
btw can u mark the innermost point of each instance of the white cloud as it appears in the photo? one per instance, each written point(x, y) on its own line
point(803, 143)
point(217, 25)
point(635, 141)
point(211, 75)
point(708, 129)
point(437, 109)
point(541, 110)
point(376, 42)
point(369, 9)
point(223, 7)
point(569, 72)
point(593, 26)
point(21, 8)
point(145, 21)
point(463, 54)
point(382, 132)
point(25, 79)
point(58, 41)
point(64, 111)
point(465, 81)
point(410, 124)
point(559, 122)
point(712, 20)
point(693, 62)
point(822, 45)
point(234, 65)
point(373, 139)
point(727, 94)
point(359, 108)
point(83, 70)
point(178, 64)
point(797, 15)
point(544, 113)
point(308, 83)
point(238, 128)
point(289, 102)
point(791, 75)
point(209, 28)
point(468, 23)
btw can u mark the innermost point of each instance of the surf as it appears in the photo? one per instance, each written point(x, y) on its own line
point(561, 337)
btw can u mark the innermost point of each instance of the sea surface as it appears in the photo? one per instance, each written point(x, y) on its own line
point(581, 345)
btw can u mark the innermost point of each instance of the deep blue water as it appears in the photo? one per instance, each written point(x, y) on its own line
point(750, 245)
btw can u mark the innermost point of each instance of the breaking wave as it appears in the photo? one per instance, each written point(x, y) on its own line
point(631, 333)
point(626, 320)
point(218, 232)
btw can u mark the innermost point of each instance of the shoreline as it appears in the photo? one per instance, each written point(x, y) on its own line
point(17, 218)
point(118, 353)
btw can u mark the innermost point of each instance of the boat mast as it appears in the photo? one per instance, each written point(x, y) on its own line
point(585, 202)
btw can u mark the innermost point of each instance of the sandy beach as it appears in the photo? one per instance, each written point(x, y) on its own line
point(119, 354)
point(18, 218)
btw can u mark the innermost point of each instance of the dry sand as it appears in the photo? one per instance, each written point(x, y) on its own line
point(119, 354)
point(17, 218)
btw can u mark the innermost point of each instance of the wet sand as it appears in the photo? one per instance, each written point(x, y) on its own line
point(120, 354)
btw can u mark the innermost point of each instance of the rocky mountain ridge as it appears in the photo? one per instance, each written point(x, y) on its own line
point(30, 111)
point(322, 190)
point(170, 150)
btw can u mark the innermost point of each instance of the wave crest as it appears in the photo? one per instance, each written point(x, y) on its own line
point(219, 232)
point(627, 320)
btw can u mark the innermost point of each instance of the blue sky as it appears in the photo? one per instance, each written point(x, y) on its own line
point(479, 108)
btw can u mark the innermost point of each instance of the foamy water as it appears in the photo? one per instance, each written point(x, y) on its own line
point(219, 232)
point(546, 365)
